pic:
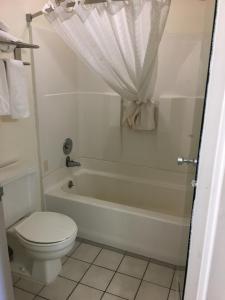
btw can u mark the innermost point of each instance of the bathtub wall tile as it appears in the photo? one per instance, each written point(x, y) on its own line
point(101, 137)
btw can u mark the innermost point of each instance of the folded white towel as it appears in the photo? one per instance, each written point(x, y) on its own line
point(4, 92)
point(7, 37)
point(18, 89)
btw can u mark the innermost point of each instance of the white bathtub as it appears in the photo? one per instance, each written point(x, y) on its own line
point(131, 213)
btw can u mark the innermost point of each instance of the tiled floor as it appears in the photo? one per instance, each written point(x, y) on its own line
point(93, 272)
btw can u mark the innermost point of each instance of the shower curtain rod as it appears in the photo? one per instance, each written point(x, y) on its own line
point(30, 17)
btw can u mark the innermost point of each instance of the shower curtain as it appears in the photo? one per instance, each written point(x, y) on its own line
point(119, 40)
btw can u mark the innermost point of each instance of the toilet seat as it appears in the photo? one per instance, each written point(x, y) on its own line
point(45, 228)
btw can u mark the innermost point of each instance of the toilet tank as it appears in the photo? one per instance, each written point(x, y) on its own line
point(21, 196)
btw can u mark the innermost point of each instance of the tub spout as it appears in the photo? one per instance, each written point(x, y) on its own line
point(71, 163)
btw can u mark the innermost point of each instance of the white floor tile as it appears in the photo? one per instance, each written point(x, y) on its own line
point(178, 279)
point(86, 252)
point(21, 295)
point(149, 291)
point(124, 286)
point(133, 266)
point(110, 297)
point(29, 286)
point(108, 259)
point(85, 293)
point(58, 290)
point(74, 269)
point(174, 295)
point(98, 277)
point(159, 274)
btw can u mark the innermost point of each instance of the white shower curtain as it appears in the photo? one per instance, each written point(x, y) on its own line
point(120, 41)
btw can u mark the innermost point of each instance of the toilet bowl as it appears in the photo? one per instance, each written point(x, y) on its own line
point(45, 238)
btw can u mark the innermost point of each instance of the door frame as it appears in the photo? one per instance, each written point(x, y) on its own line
point(209, 200)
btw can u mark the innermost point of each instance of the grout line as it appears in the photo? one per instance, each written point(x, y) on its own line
point(79, 282)
point(165, 287)
point(128, 253)
point(115, 272)
point(135, 296)
point(123, 253)
point(19, 288)
point(41, 297)
point(115, 296)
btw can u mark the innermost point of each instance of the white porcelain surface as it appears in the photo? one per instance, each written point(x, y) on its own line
point(105, 224)
point(46, 227)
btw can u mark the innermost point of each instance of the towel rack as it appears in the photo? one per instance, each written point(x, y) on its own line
point(20, 45)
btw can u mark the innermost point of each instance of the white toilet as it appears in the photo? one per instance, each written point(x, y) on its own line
point(38, 240)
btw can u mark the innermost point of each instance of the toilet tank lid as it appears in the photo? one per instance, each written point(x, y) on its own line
point(46, 227)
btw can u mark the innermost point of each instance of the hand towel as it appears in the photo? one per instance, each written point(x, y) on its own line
point(138, 116)
point(4, 92)
point(7, 37)
point(18, 89)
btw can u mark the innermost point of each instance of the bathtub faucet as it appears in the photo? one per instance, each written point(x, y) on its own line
point(71, 163)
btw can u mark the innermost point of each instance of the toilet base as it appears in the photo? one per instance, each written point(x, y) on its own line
point(46, 271)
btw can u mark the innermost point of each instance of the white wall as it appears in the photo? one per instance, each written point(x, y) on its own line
point(72, 93)
point(18, 137)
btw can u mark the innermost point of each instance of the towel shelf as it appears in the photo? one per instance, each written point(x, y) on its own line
point(20, 45)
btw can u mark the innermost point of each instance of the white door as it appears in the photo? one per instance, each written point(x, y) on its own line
point(6, 289)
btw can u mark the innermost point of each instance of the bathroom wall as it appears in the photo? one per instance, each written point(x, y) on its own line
point(73, 101)
point(18, 137)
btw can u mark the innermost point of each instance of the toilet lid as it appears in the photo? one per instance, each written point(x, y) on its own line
point(46, 227)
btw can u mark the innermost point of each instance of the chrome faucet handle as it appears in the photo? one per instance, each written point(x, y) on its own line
point(71, 163)
point(182, 161)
